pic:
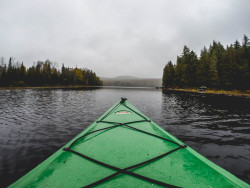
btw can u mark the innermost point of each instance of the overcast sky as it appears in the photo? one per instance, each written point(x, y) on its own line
point(117, 37)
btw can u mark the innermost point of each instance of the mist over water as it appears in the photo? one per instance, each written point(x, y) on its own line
point(34, 123)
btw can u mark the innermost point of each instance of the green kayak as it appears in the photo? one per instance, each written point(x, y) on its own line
point(124, 148)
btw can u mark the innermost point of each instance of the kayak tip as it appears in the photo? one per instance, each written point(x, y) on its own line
point(123, 100)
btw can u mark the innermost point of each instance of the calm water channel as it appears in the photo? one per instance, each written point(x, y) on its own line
point(34, 123)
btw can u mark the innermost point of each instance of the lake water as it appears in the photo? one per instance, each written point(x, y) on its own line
point(34, 123)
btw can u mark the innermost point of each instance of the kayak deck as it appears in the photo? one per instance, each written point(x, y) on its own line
point(124, 148)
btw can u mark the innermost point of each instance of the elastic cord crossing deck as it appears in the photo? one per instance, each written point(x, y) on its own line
point(125, 170)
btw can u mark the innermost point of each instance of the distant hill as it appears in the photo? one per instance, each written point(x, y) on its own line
point(130, 81)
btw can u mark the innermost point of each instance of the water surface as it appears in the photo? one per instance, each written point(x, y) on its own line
point(34, 123)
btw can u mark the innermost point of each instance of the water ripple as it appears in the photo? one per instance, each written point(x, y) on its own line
point(34, 123)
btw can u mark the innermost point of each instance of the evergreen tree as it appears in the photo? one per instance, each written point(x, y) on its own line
point(22, 72)
point(2, 72)
point(203, 68)
point(168, 75)
point(213, 78)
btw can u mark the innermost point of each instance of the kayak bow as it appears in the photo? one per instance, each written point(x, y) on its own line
point(124, 148)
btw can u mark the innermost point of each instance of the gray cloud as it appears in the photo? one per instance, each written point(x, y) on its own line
point(117, 37)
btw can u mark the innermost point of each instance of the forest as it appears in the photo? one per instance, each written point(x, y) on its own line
point(44, 74)
point(217, 67)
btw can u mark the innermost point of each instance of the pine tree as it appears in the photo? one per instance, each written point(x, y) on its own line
point(213, 73)
point(168, 75)
point(22, 73)
point(203, 68)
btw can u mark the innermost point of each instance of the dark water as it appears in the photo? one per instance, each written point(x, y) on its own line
point(34, 123)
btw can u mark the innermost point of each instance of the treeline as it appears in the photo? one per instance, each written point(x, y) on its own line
point(217, 67)
point(44, 74)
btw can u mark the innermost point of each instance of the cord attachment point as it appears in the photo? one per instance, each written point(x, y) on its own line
point(123, 100)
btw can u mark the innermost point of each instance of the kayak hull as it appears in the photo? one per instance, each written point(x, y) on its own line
point(124, 148)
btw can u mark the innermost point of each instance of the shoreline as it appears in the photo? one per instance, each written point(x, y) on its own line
point(232, 93)
point(49, 87)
